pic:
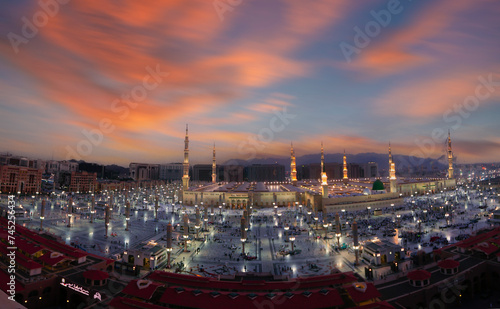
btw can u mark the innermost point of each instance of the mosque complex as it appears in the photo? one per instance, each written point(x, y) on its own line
point(324, 195)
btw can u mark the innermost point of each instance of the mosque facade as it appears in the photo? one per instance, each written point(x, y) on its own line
point(317, 195)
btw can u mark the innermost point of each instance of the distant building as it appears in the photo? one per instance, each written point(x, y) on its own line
point(232, 173)
point(202, 172)
point(369, 170)
point(171, 171)
point(144, 171)
point(333, 170)
point(266, 172)
point(16, 175)
point(83, 182)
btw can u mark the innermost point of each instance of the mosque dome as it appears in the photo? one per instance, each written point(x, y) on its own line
point(367, 191)
point(378, 185)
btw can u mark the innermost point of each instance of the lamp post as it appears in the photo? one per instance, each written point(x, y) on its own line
point(156, 208)
point(243, 234)
point(106, 220)
point(185, 235)
point(337, 229)
point(197, 223)
point(292, 239)
point(127, 214)
point(70, 211)
point(286, 228)
point(205, 218)
point(325, 226)
point(169, 243)
point(42, 214)
point(355, 239)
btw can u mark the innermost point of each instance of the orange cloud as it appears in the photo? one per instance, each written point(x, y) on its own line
point(398, 51)
point(435, 96)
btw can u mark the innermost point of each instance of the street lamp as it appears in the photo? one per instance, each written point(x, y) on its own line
point(325, 226)
point(292, 239)
point(286, 228)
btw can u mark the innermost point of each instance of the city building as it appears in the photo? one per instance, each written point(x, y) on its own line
point(202, 172)
point(170, 172)
point(144, 171)
point(266, 172)
point(20, 179)
point(83, 182)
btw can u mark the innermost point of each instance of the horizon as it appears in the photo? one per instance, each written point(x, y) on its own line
point(114, 82)
point(209, 162)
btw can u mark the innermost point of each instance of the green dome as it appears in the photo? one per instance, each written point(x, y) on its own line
point(378, 185)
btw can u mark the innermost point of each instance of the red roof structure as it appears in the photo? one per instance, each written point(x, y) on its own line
point(362, 291)
point(203, 299)
point(23, 260)
point(127, 303)
point(173, 279)
point(51, 260)
point(448, 264)
point(418, 275)
point(486, 247)
point(28, 247)
point(141, 288)
point(95, 274)
point(377, 305)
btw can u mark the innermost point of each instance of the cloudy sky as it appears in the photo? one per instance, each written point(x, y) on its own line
point(116, 81)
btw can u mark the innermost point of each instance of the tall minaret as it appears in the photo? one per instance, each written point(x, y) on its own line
point(450, 158)
point(293, 167)
point(346, 178)
point(214, 168)
point(324, 178)
point(185, 177)
point(392, 172)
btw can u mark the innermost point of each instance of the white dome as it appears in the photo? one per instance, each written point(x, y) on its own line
point(367, 191)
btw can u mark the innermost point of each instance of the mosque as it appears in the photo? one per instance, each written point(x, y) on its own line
point(322, 195)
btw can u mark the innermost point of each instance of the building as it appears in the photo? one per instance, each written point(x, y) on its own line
point(170, 171)
point(266, 172)
point(202, 172)
point(144, 171)
point(382, 253)
point(335, 170)
point(15, 179)
point(369, 170)
point(83, 182)
point(232, 173)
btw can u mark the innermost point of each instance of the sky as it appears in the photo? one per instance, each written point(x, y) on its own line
point(117, 81)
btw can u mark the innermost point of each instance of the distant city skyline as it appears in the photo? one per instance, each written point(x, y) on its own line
point(115, 83)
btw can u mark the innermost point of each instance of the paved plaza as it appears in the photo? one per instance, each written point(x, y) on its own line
point(218, 249)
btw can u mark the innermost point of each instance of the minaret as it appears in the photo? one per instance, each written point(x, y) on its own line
point(214, 168)
point(450, 158)
point(392, 172)
point(185, 177)
point(324, 178)
point(346, 178)
point(390, 155)
point(293, 166)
